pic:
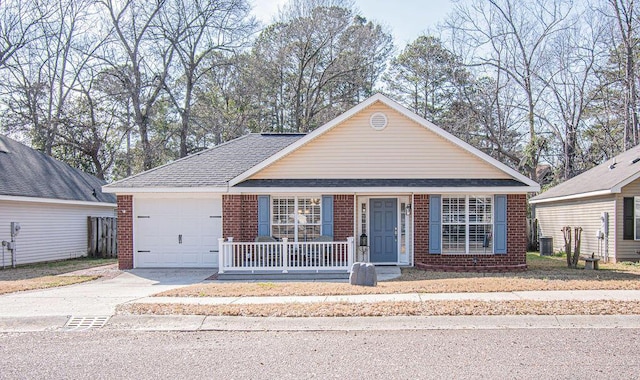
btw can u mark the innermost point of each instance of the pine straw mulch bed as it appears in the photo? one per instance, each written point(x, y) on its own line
point(545, 273)
point(379, 309)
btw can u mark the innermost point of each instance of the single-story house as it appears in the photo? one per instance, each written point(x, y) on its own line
point(604, 201)
point(50, 201)
point(377, 183)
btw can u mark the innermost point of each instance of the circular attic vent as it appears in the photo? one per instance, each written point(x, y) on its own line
point(378, 121)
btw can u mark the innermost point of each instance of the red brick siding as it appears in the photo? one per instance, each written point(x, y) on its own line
point(240, 217)
point(421, 226)
point(342, 217)
point(125, 231)
point(515, 259)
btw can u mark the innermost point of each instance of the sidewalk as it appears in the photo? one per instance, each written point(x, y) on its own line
point(577, 295)
point(48, 322)
point(95, 303)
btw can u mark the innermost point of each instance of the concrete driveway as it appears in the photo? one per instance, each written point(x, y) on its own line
point(99, 297)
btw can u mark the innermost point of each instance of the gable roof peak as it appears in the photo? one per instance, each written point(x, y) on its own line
point(379, 97)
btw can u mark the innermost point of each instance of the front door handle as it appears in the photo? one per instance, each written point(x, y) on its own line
point(395, 232)
point(180, 239)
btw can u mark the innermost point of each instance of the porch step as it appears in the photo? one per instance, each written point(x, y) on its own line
point(278, 276)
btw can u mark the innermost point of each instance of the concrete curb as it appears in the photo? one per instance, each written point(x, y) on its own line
point(214, 323)
point(211, 323)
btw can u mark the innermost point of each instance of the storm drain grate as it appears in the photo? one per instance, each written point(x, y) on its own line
point(85, 323)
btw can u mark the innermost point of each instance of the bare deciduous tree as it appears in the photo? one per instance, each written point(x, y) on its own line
point(512, 37)
point(196, 29)
point(139, 60)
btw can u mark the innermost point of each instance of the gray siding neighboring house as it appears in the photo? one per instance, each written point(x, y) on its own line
point(50, 200)
point(595, 200)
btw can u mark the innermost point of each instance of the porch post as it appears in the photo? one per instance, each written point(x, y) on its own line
point(351, 244)
point(285, 253)
point(221, 255)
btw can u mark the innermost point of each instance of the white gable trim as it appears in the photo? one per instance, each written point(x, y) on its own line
point(572, 196)
point(618, 188)
point(532, 185)
point(614, 190)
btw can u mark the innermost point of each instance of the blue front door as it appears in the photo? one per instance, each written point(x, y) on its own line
point(383, 230)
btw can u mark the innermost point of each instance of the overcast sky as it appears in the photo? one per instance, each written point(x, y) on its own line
point(406, 19)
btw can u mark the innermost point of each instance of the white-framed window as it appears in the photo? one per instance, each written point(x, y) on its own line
point(467, 224)
point(296, 218)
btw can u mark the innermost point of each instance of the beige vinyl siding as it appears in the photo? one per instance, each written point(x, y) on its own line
point(404, 149)
point(585, 213)
point(48, 231)
point(626, 248)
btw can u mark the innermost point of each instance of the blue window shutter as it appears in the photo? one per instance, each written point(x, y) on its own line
point(264, 215)
point(327, 215)
point(500, 225)
point(435, 224)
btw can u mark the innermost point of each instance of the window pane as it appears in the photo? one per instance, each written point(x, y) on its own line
point(308, 232)
point(305, 218)
point(480, 239)
point(453, 225)
point(453, 238)
point(283, 218)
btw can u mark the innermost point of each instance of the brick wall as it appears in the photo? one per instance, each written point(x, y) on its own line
point(514, 260)
point(342, 217)
point(421, 225)
point(240, 217)
point(125, 231)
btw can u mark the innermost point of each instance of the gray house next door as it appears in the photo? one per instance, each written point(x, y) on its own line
point(383, 231)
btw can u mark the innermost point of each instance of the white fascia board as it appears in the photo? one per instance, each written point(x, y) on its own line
point(572, 196)
point(403, 111)
point(55, 201)
point(138, 190)
point(382, 190)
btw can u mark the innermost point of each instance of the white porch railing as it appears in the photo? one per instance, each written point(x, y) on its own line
point(285, 256)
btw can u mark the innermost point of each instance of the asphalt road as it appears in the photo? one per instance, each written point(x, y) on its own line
point(442, 354)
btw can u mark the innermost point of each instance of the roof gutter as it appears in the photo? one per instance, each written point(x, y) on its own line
point(385, 190)
point(573, 196)
point(55, 201)
point(137, 190)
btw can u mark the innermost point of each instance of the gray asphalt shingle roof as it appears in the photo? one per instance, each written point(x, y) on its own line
point(598, 178)
point(25, 172)
point(212, 167)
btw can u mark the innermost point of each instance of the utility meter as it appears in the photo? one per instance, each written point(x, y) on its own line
point(15, 229)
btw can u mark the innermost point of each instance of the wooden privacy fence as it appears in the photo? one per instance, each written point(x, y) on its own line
point(102, 237)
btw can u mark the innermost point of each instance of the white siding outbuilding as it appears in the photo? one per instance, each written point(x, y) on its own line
point(52, 202)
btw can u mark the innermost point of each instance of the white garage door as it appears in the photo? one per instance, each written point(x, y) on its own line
point(177, 233)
